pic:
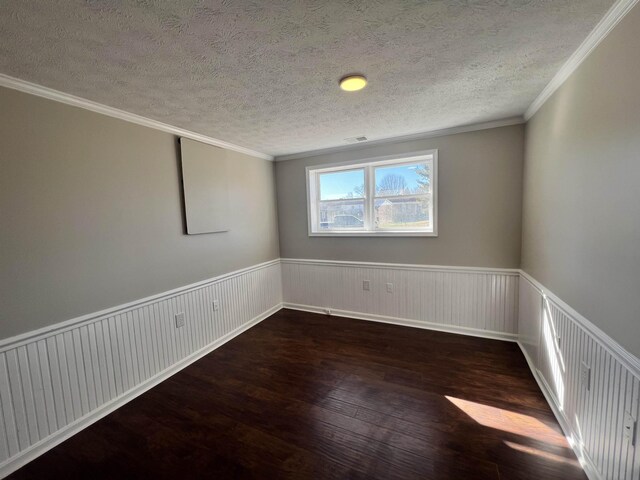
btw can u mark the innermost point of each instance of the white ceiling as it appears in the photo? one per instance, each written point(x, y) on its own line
point(263, 74)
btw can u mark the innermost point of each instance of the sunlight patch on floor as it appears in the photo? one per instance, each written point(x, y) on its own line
point(508, 421)
point(542, 454)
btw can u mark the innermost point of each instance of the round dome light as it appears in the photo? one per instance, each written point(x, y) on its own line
point(353, 83)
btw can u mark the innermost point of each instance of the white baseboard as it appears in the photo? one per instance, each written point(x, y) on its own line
point(555, 338)
point(557, 342)
point(469, 300)
point(56, 381)
point(586, 463)
point(510, 337)
point(61, 435)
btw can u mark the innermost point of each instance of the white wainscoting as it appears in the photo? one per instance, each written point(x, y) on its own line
point(472, 301)
point(56, 381)
point(556, 340)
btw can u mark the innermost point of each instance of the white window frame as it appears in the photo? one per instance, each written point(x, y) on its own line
point(368, 165)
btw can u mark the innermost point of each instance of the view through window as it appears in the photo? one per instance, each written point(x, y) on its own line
point(387, 197)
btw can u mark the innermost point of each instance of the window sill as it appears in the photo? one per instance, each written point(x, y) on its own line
point(374, 234)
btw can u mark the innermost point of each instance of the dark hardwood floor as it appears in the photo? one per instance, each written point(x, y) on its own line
point(315, 397)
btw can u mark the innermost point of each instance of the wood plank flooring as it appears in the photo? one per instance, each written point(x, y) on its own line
point(306, 396)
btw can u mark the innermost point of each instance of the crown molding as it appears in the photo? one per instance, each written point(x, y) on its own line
point(616, 13)
point(58, 96)
point(405, 138)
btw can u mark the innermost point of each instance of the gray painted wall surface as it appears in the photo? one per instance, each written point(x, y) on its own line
point(582, 188)
point(479, 205)
point(91, 216)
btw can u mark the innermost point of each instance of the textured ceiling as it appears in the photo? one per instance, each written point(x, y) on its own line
point(263, 74)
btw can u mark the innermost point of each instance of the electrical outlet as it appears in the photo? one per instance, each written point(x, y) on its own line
point(216, 305)
point(365, 285)
point(629, 428)
point(389, 287)
point(327, 311)
point(179, 319)
point(585, 376)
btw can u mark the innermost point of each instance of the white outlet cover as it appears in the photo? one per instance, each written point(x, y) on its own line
point(629, 428)
point(585, 374)
point(216, 305)
point(179, 319)
point(366, 285)
point(390, 287)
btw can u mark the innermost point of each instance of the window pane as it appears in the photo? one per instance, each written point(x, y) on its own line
point(403, 179)
point(409, 213)
point(342, 215)
point(340, 185)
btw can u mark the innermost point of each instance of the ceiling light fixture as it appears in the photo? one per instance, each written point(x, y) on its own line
point(353, 83)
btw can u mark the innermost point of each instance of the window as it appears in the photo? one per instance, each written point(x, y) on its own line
point(391, 196)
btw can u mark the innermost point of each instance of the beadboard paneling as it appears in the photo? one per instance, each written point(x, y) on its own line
point(557, 341)
point(465, 300)
point(58, 380)
point(530, 306)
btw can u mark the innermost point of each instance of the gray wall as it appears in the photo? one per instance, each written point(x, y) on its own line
point(90, 214)
point(582, 188)
point(479, 205)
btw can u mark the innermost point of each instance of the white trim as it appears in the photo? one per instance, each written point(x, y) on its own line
point(353, 164)
point(556, 364)
point(368, 165)
point(34, 335)
point(27, 337)
point(401, 266)
point(597, 35)
point(458, 299)
point(509, 337)
point(113, 357)
point(585, 461)
point(505, 122)
point(37, 449)
point(370, 201)
point(58, 96)
point(629, 360)
point(382, 233)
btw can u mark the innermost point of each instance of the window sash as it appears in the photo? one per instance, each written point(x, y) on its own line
point(354, 199)
point(369, 197)
point(318, 200)
point(341, 170)
point(408, 195)
point(403, 163)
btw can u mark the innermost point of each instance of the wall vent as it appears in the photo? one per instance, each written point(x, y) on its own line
point(356, 139)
